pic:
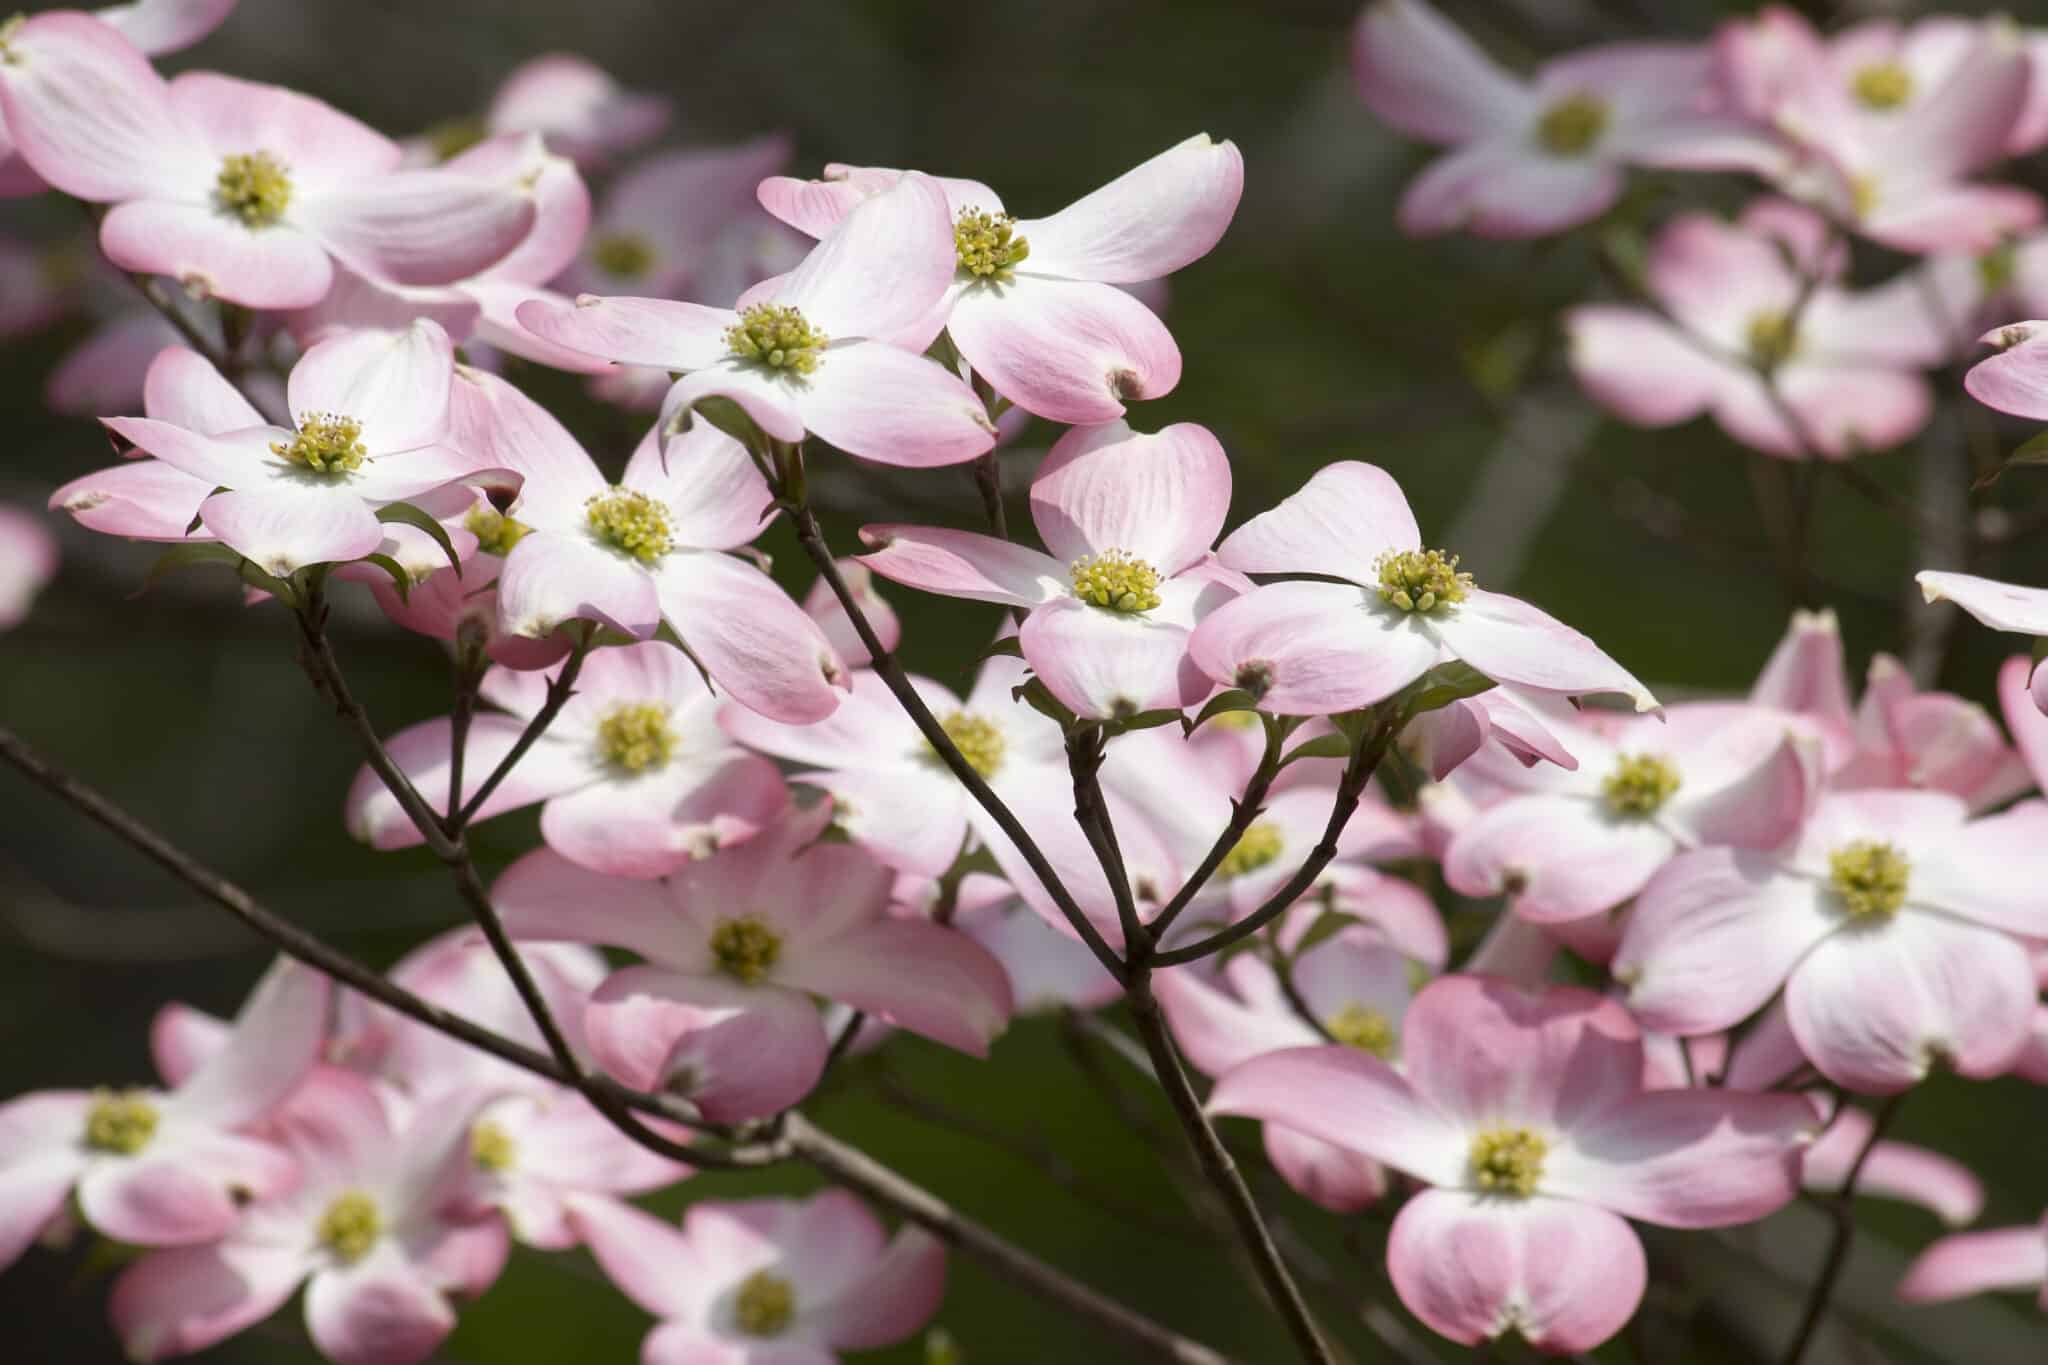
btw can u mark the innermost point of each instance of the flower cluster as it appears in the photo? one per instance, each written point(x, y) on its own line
point(1417, 875)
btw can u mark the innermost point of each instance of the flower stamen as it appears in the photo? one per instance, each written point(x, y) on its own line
point(1869, 877)
point(491, 1147)
point(1508, 1161)
point(626, 255)
point(986, 244)
point(1882, 85)
point(764, 1305)
point(979, 740)
point(1115, 580)
point(1364, 1028)
point(1421, 580)
point(745, 949)
point(255, 187)
point(630, 521)
point(1571, 126)
point(495, 532)
point(1639, 785)
point(636, 736)
point(121, 1122)
point(776, 336)
point(327, 443)
point(1257, 847)
point(350, 1226)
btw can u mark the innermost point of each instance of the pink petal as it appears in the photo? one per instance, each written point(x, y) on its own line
point(104, 372)
point(421, 227)
point(1894, 1170)
point(1713, 936)
point(275, 1039)
point(87, 112)
point(882, 267)
point(578, 106)
point(888, 405)
point(1805, 674)
point(647, 1258)
point(1559, 857)
point(1161, 498)
point(1311, 649)
point(2016, 379)
point(897, 1294)
point(716, 497)
point(182, 1038)
point(1104, 663)
point(281, 529)
point(156, 1201)
point(911, 818)
point(767, 396)
point(922, 977)
point(2026, 720)
point(1068, 351)
point(1506, 638)
point(1686, 1158)
point(1216, 1029)
point(377, 1312)
point(1328, 1176)
point(1990, 871)
point(143, 500)
point(1346, 1097)
point(561, 204)
point(173, 1303)
point(500, 427)
point(421, 751)
point(1971, 218)
point(1501, 190)
point(496, 304)
point(1485, 1051)
point(823, 605)
point(2001, 606)
point(964, 564)
point(33, 1190)
point(755, 642)
point(543, 896)
point(738, 1052)
point(1639, 367)
point(160, 26)
point(273, 267)
point(183, 388)
point(1968, 1263)
point(318, 143)
point(660, 333)
point(1422, 74)
point(650, 826)
point(552, 578)
point(1849, 410)
point(1566, 1277)
point(1876, 1009)
point(395, 383)
point(1161, 215)
point(1765, 807)
point(1340, 522)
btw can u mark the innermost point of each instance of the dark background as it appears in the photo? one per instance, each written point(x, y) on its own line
point(1313, 333)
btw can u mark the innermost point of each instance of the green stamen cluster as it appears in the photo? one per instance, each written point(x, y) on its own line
point(350, 1227)
point(1421, 580)
point(745, 949)
point(628, 255)
point(986, 244)
point(636, 736)
point(1115, 580)
point(777, 337)
point(9, 29)
point(121, 1122)
point(1882, 85)
point(977, 738)
point(1869, 877)
point(1364, 1028)
point(1864, 191)
point(764, 1305)
point(1257, 847)
point(491, 1147)
point(1508, 1161)
point(1639, 785)
point(1571, 126)
point(254, 186)
point(629, 520)
point(328, 443)
point(1773, 340)
point(495, 532)
point(1996, 268)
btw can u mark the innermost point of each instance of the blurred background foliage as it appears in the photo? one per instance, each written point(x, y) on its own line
point(1313, 333)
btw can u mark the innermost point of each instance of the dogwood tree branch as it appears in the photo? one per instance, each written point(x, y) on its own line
point(1842, 1208)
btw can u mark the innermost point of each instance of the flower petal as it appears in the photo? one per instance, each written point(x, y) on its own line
point(1686, 1158)
point(715, 496)
point(738, 1052)
point(881, 267)
point(757, 644)
point(923, 977)
point(1639, 367)
point(1161, 498)
point(660, 333)
point(421, 752)
point(1559, 857)
point(650, 825)
point(421, 227)
point(1065, 350)
point(1343, 1096)
point(1328, 1176)
point(1420, 73)
point(1970, 1263)
point(380, 1311)
point(1506, 638)
point(1485, 1051)
point(1163, 214)
point(897, 1293)
point(275, 1039)
point(1340, 522)
point(894, 407)
point(1893, 1170)
point(173, 1303)
point(283, 528)
point(2001, 606)
point(1105, 664)
point(1311, 649)
point(550, 578)
point(272, 267)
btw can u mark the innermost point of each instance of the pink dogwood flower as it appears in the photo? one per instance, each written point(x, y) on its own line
point(1318, 648)
point(823, 605)
point(1967, 1263)
point(798, 357)
point(371, 414)
point(1570, 844)
point(1042, 308)
point(582, 111)
point(769, 1281)
point(734, 947)
point(649, 548)
point(1356, 987)
point(2016, 379)
point(1536, 156)
point(636, 774)
point(1527, 1114)
point(1846, 364)
point(28, 561)
point(167, 1167)
point(1128, 519)
point(369, 1232)
point(246, 192)
point(1893, 924)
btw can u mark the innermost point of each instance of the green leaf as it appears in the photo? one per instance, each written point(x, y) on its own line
point(2040, 648)
point(1035, 695)
point(1442, 685)
point(1234, 699)
point(186, 557)
point(1006, 647)
point(1143, 720)
point(412, 516)
point(1322, 746)
point(1326, 927)
point(730, 418)
point(2034, 451)
point(400, 579)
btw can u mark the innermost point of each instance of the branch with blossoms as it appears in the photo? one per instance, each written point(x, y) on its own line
point(1207, 787)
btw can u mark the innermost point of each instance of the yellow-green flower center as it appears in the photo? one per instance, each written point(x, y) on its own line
point(636, 736)
point(628, 255)
point(254, 186)
point(327, 443)
point(121, 1122)
point(1997, 267)
point(629, 520)
point(1364, 1028)
point(1882, 85)
point(1571, 126)
point(1421, 580)
point(977, 738)
point(350, 1226)
point(450, 138)
point(491, 1147)
point(10, 27)
point(1115, 580)
point(1869, 877)
point(1639, 785)
point(495, 532)
point(1864, 192)
point(778, 337)
point(1257, 847)
point(987, 245)
point(745, 949)
point(1773, 339)
point(1508, 1161)
point(764, 1305)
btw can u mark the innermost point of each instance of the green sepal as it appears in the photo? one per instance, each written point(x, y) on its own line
point(410, 515)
